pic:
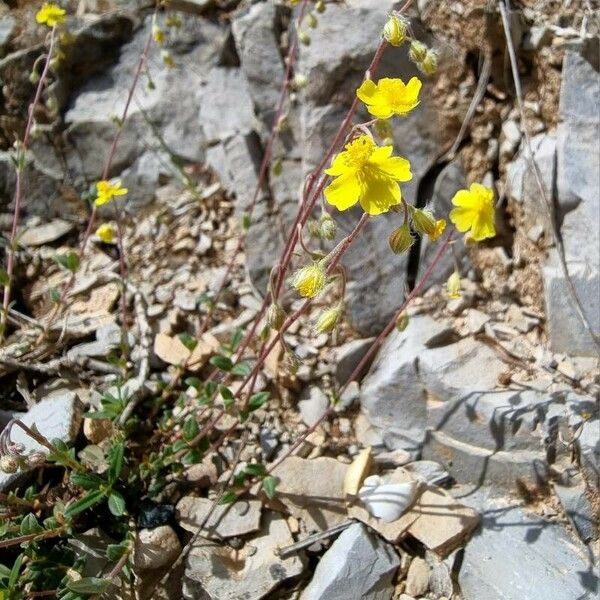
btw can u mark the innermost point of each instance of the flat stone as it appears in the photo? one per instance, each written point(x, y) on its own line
point(312, 405)
point(226, 520)
point(511, 545)
point(313, 490)
point(218, 572)
point(358, 565)
point(171, 349)
point(475, 320)
point(443, 524)
point(156, 548)
point(417, 578)
point(347, 356)
point(45, 233)
point(578, 508)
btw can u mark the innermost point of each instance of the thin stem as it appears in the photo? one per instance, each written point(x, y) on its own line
point(10, 263)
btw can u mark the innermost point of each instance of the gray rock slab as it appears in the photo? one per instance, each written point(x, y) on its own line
point(358, 565)
point(517, 555)
point(216, 572)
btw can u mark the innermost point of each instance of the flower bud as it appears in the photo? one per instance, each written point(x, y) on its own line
point(394, 31)
point(16, 448)
point(304, 38)
point(291, 363)
point(275, 316)
point(314, 230)
point(417, 52)
point(277, 167)
point(310, 280)
point(106, 233)
point(402, 321)
point(401, 239)
point(34, 76)
point(453, 285)
point(320, 6)
point(440, 225)
point(423, 221)
point(158, 34)
point(428, 65)
point(312, 21)
point(328, 319)
point(283, 124)
point(9, 464)
point(327, 226)
point(300, 81)
point(167, 58)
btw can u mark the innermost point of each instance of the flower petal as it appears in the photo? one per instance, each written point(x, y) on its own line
point(343, 192)
point(483, 227)
point(396, 167)
point(380, 192)
point(462, 218)
point(367, 91)
point(338, 165)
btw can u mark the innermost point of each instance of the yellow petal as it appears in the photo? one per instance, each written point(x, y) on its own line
point(367, 91)
point(343, 192)
point(338, 166)
point(482, 228)
point(461, 217)
point(396, 167)
point(380, 192)
point(464, 198)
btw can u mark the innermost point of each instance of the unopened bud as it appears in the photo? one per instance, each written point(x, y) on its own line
point(158, 34)
point(304, 38)
point(283, 124)
point(314, 230)
point(328, 319)
point(401, 239)
point(34, 76)
point(300, 81)
point(402, 321)
point(394, 30)
point(428, 65)
point(423, 221)
point(312, 20)
point(277, 167)
point(9, 464)
point(453, 285)
point(327, 226)
point(291, 362)
point(167, 58)
point(320, 6)
point(417, 52)
point(275, 316)
point(310, 280)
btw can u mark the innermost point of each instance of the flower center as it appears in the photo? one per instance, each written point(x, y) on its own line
point(359, 151)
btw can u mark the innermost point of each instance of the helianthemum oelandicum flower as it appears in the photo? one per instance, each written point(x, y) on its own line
point(389, 97)
point(106, 191)
point(50, 14)
point(106, 233)
point(475, 211)
point(366, 173)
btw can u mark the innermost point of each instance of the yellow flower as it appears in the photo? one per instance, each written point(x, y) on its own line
point(50, 14)
point(309, 281)
point(366, 173)
point(475, 211)
point(158, 34)
point(106, 191)
point(389, 96)
point(453, 285)
point(106, 233)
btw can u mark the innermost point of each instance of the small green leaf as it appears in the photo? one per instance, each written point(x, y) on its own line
point(88, 481)
point(242, 369)
point(86, 501)
point(228, 397)
point(115, 551)
point(190, 429)
point(188, 341)
point(14, 572)
point(116, 504)
point(269, 484)
point(236, 339)
point(4, 279)
point(228, 498)
point(54, 296)
point(89, 585)
point(257, 400)
point(193, 457)
point(256, 470)
point(193, 382)
point(69, 261)
point(115, 457)
point(221, 362)
point(30, 525)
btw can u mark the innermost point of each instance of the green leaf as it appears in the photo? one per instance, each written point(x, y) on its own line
point(243, 415)
point(86, 501)
point(116, 504)
point(256, 470)
point(236, 339)
point(4, 279)
point(188, 341)
point(228, 498)
point(257, 400)
point(69, 261)
point(193, 382)
point(88, 481)
point(115, 551)
point(221, 362)
point(179, 445)
point(190, 429)
point(228, 397)
point(5, 571)
point(193, 457)
point(115, 456)
point(54, 296)
point(242, 369)
point(89, 585)
point(14, 572)
point(30, 525)
point(269, 484)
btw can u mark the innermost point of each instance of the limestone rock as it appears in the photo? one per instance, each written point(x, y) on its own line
point(156, 548)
